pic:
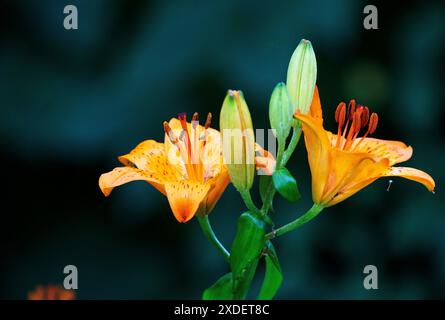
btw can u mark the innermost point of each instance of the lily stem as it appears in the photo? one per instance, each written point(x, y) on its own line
point(281, 162)
point(296, 134)
point(247, 198)
point(208, 232)
point(308, 216)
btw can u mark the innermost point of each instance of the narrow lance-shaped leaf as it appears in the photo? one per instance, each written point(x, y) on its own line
point(246, 249)
point(273, 277)
point(220, 290)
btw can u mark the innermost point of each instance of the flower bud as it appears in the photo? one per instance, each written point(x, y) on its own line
point(238, 140)
point(301, 76)
point(280, 112)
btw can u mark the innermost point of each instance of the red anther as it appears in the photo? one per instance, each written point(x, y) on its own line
point(195, 120)
point(357, 120)
point(342, 117)
point(351, 109)
point(185, 133)
point(167, 128)
point(373, 120)
point(208, 121)
point(171, 135)
point(340, 106)
point(183, 119)
point(365, 116)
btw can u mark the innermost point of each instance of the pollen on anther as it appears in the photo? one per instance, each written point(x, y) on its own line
point(365, 116)
point(341, 106)
point(373, 120)
point(357, 121)
point(208, 121)
point(195, 120)
point(351, 109)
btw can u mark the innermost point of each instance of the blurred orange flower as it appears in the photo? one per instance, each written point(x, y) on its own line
point(344, 163)
point(51, 292)
point(187, 167)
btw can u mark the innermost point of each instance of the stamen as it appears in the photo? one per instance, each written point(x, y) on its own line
point(355, 128)
point(206, 126)
point(372, 126)
point(351, 109)
point(360, 125)
point(186, 137)
point(171, 135)
point(208, 121)
point(340, 107)
point(350, 114)
point(195, 120)
point(374, 119)
point(340, 117)
point(195, 144)
point(365, 116)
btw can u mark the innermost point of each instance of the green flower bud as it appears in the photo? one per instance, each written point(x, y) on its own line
point(301, 76)
point(238, 140)
point(280, 112)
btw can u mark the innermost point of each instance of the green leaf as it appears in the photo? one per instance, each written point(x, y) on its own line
point(286, 184)
point(246, 250)
point(273, 277)
point(220, 290)
point(280, 112)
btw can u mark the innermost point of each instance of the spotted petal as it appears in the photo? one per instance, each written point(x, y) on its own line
point(394, 151)
point(121, 175)
point(150, 156)
point(412, 174)
point(185, 197)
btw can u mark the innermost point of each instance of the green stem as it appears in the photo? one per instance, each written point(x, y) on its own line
point(245, 194)
point(281, 162)
point(247, 198)
point(281, 149)
point(296, 134)
point(208, 232)
point(308, 216)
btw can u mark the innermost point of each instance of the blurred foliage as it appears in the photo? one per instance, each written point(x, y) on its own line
point(72, 101)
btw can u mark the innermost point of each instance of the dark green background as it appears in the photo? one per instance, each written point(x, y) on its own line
point(72, 101)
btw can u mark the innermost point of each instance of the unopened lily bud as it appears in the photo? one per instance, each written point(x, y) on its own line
point(301, 76)
point(238, 140)
point(280, 112)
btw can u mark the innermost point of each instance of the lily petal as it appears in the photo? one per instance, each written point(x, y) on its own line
point(185, 197)
point(363, 174)
point(394, 151)
point(218, 185)
point(317, 146)
point(346, 168)
point(121, 175)
point(150, 156)
point(412, 174)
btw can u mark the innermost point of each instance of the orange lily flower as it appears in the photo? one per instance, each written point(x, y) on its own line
point(187, 168)
point(342, 164)
point(51, 292)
